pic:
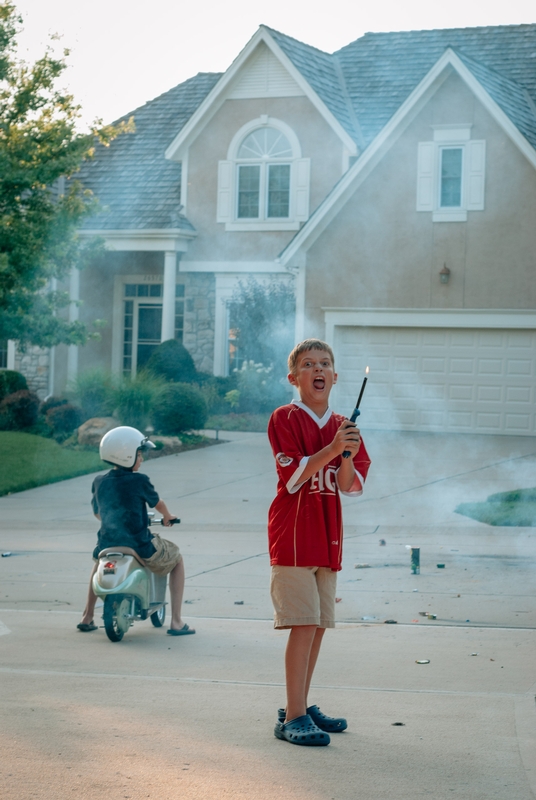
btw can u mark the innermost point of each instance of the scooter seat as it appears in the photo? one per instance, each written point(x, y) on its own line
point(127, 551)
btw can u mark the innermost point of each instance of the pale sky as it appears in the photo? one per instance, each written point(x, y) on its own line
point(125, 52)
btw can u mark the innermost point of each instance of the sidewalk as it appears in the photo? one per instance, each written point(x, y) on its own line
point(163, 718)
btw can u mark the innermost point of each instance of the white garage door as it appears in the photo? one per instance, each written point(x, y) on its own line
point(423, 379)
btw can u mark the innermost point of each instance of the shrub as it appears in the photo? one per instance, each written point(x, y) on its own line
point(135, 398)
point(94, 392)
point(259, 389)
point(10, 382)
point(64, 418)
point(51, 402)
point(172, 361)
point(215, 390)
point(19, 410)
point(181, 407)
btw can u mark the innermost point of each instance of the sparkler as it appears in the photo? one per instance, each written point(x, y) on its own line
point(356, 412)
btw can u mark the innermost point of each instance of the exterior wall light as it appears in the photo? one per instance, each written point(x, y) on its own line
point(444, 274)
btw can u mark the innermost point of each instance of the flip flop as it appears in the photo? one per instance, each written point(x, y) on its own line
point(86, 627)
point(301, 730)
point(184, 631)
point(325, 723)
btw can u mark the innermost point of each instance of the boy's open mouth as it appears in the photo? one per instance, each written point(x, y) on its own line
point(319, 383)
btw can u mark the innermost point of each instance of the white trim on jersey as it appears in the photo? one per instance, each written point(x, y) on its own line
point(292, 485)
point(320, 421)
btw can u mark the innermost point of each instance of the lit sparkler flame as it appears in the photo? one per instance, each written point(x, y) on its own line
point(367, 371)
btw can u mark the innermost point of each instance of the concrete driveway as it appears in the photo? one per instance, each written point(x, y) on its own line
point(192, 717)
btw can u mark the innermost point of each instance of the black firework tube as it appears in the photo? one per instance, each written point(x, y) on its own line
point(356, 412)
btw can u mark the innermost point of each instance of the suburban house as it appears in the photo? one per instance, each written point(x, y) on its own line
point(392, 182)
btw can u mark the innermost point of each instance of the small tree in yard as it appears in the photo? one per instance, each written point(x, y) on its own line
point(39, 148)
point(262, 318)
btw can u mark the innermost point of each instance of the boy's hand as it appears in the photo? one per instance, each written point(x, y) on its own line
point(166, 520)
point(348, 437)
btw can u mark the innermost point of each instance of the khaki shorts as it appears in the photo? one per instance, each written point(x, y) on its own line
point(303, 596)
point(167, 556)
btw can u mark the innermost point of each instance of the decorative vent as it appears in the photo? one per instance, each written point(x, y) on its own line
point(264, 76)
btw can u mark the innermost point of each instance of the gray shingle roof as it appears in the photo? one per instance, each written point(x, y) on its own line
point(382, 69)
point(136, 185)
point(363, 84)
point(512, 98)
point(323, 74)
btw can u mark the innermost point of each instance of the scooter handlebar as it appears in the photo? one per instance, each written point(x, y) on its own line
point(161, 521)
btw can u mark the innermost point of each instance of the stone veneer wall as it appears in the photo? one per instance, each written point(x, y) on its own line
point(34, 364)
point(199, 311)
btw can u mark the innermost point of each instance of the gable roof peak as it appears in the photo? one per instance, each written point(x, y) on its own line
point(299, 42)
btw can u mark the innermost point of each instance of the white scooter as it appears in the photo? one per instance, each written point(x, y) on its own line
point(129, 589)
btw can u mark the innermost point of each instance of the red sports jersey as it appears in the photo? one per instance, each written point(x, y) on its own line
point(305, 519)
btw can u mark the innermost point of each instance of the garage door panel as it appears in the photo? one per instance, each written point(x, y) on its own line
point(518, 394)
point(462, 366)
point(405, 390)
point(462, 338)
point(490, 366)
point(458, 392)
point(489, 394)
point(491, 339)
point(407, 365)
point(405, 337)
point(519, 367)
point(520, 422)
point(379, 336)
point(446, 380)
point(521, 340)
point(461, 420)
point(434, 365)
point(488, 421)
point(434, 338)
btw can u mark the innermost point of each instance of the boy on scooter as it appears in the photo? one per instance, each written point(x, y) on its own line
point(119, 501)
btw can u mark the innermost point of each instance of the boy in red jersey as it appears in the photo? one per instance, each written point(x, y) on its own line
point(305, 528)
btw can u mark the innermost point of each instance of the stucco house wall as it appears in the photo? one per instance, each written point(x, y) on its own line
point(380, 252)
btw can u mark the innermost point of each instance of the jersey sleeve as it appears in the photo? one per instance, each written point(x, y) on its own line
point(289, 458)
point(361, 467)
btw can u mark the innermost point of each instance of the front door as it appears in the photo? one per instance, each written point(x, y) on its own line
point(149, 331)
point(142, 324)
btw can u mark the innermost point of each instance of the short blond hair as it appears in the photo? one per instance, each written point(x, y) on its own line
point(304, 347)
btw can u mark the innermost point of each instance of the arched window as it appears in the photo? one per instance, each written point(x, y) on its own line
point(265, 183)
point(264, 175)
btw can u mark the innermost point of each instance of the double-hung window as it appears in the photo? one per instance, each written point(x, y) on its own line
point(263, 175)
point(264, 185)
point(451, 173)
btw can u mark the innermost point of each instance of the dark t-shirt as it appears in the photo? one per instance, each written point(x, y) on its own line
point(120, 498)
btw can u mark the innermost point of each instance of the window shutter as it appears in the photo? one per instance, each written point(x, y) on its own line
point(476, 169)
point(225, 174)
point(303, 169)
point(425, 176)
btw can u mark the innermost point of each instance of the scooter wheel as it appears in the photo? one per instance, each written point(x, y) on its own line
point(116, 607)
point(158, 617)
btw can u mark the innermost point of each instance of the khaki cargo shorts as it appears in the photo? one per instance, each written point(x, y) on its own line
point(167, 556)
point(303, 596)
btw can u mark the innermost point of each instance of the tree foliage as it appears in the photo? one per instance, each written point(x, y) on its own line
point(262, 320)
point(41, 202)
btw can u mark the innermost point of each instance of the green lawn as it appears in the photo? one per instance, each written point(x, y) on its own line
point(29, 461)
point(510, 509)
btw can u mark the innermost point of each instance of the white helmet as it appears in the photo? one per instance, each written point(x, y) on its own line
point(120, 446)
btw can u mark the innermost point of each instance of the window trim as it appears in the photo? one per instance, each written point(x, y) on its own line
point(227, 203)
point(429, 173)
